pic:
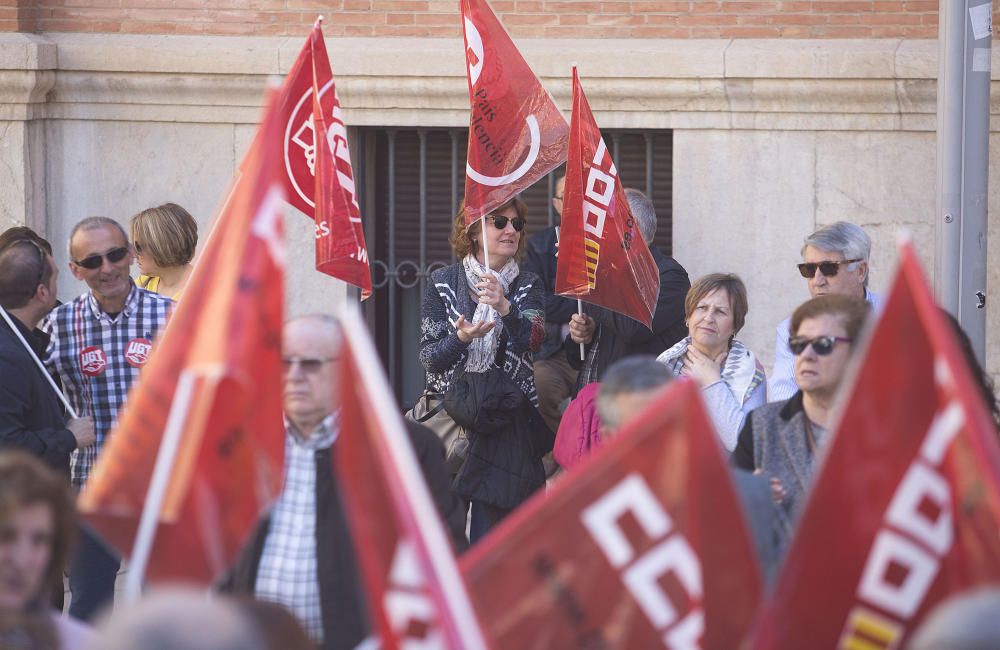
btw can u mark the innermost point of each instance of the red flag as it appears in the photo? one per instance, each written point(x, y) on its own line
point(516, 133)
point(317, 163)
point(216, 379)
point(603, 257)
point(340, 237)
point(642, 546)
point(398, 533)
point(906, 506)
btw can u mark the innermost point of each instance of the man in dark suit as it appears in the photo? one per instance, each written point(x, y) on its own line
point(302, 555)
point(31, 417)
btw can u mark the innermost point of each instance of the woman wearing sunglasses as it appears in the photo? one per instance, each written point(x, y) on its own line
point(783, 439)
point(164, 239)
point(479, 314)
point(731, 378)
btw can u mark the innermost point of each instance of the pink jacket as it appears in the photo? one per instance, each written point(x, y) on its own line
point(580, 428)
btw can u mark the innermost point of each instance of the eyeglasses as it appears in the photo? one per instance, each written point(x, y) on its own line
point(309, 365)
point(821, 345)
point(828, 269)
point(501, 222)
point(92, 262)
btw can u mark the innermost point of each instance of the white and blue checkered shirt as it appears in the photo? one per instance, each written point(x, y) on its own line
point(288, 572)
point(98, 358)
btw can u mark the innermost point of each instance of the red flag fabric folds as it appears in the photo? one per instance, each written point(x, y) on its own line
point(399, 538)
point(603, 258)
point(217, 375)
point(340, 237)
point(906, 506)
point(317, 172)
point(516, 133)
point(642, 546)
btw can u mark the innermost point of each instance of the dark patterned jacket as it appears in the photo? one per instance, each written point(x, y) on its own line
point(447, 297)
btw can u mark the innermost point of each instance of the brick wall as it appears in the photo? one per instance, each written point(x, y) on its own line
point(524, 18)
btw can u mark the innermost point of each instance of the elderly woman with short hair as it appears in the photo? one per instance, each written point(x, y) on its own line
point(731, 377)
point(784, 439)
point(476, 314)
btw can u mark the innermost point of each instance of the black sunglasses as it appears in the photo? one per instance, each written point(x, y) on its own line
point(828, 269)
point(92, 262)
point(309, 365)
point(500, 222)
point(822, 345)
point(41, 259)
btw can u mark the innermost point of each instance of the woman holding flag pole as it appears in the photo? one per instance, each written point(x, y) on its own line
point(479, 315)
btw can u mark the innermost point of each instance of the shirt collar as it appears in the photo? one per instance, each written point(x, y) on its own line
point(127, 309)
point(322, 437)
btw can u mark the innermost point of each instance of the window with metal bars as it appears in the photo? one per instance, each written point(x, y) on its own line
point(411, 182)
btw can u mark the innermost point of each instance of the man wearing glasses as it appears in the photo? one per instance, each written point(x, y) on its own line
point(301, 555)
point(834, 261)
point(98, 344)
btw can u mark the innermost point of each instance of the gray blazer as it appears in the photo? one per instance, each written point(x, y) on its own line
point(773, 440)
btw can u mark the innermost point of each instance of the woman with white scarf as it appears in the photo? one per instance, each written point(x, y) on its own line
point(475, 315)
point(731, 378)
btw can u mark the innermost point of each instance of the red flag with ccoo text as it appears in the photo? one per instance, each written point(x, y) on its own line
point(215, 378)
point(643, 545)
point(318, 176)
point(603, 258)
point(517, 135)
point(398, 534)
point(906, 505)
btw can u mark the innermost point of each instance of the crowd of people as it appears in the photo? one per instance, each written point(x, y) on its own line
point(533, 383)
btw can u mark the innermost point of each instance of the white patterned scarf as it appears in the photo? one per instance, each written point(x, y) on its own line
point(483, 351)
point(739, 371)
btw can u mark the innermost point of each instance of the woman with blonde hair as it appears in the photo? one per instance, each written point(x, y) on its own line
point(164, 238)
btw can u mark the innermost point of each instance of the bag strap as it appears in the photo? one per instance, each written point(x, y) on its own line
point(431, 412)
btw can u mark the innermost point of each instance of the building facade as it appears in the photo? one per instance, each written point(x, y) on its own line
point(753, 123)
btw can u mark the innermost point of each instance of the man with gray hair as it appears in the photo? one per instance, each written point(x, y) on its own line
point(633, 383)
point(834, 261)
point(610, 336)
point(98, 343)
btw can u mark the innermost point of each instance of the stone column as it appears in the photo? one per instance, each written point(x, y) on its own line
point(27, 74)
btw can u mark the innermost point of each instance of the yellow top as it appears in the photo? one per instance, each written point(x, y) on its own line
point(152, 283)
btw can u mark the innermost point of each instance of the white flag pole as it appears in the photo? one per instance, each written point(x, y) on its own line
point(157, 492)
point(579, 307)
point(38, 362)
point(486, 258)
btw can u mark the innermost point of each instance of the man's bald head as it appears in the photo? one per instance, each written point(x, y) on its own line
point(310, 351)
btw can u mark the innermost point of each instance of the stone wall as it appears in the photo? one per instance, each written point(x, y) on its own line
point(524, 18)
point(772, 138)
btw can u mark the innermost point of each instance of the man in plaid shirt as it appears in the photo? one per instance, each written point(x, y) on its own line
point(98, 344)
point(302, 555)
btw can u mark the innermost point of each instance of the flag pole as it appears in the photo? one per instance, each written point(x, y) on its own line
point(157, 492)
point(38, 362)
point(486, 258)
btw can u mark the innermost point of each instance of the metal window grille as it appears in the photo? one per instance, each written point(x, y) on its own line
point(411, 182)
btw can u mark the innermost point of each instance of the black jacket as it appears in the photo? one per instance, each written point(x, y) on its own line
point(31, 416)
point(540, 259)
point(619, 336)
point(342, 596)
